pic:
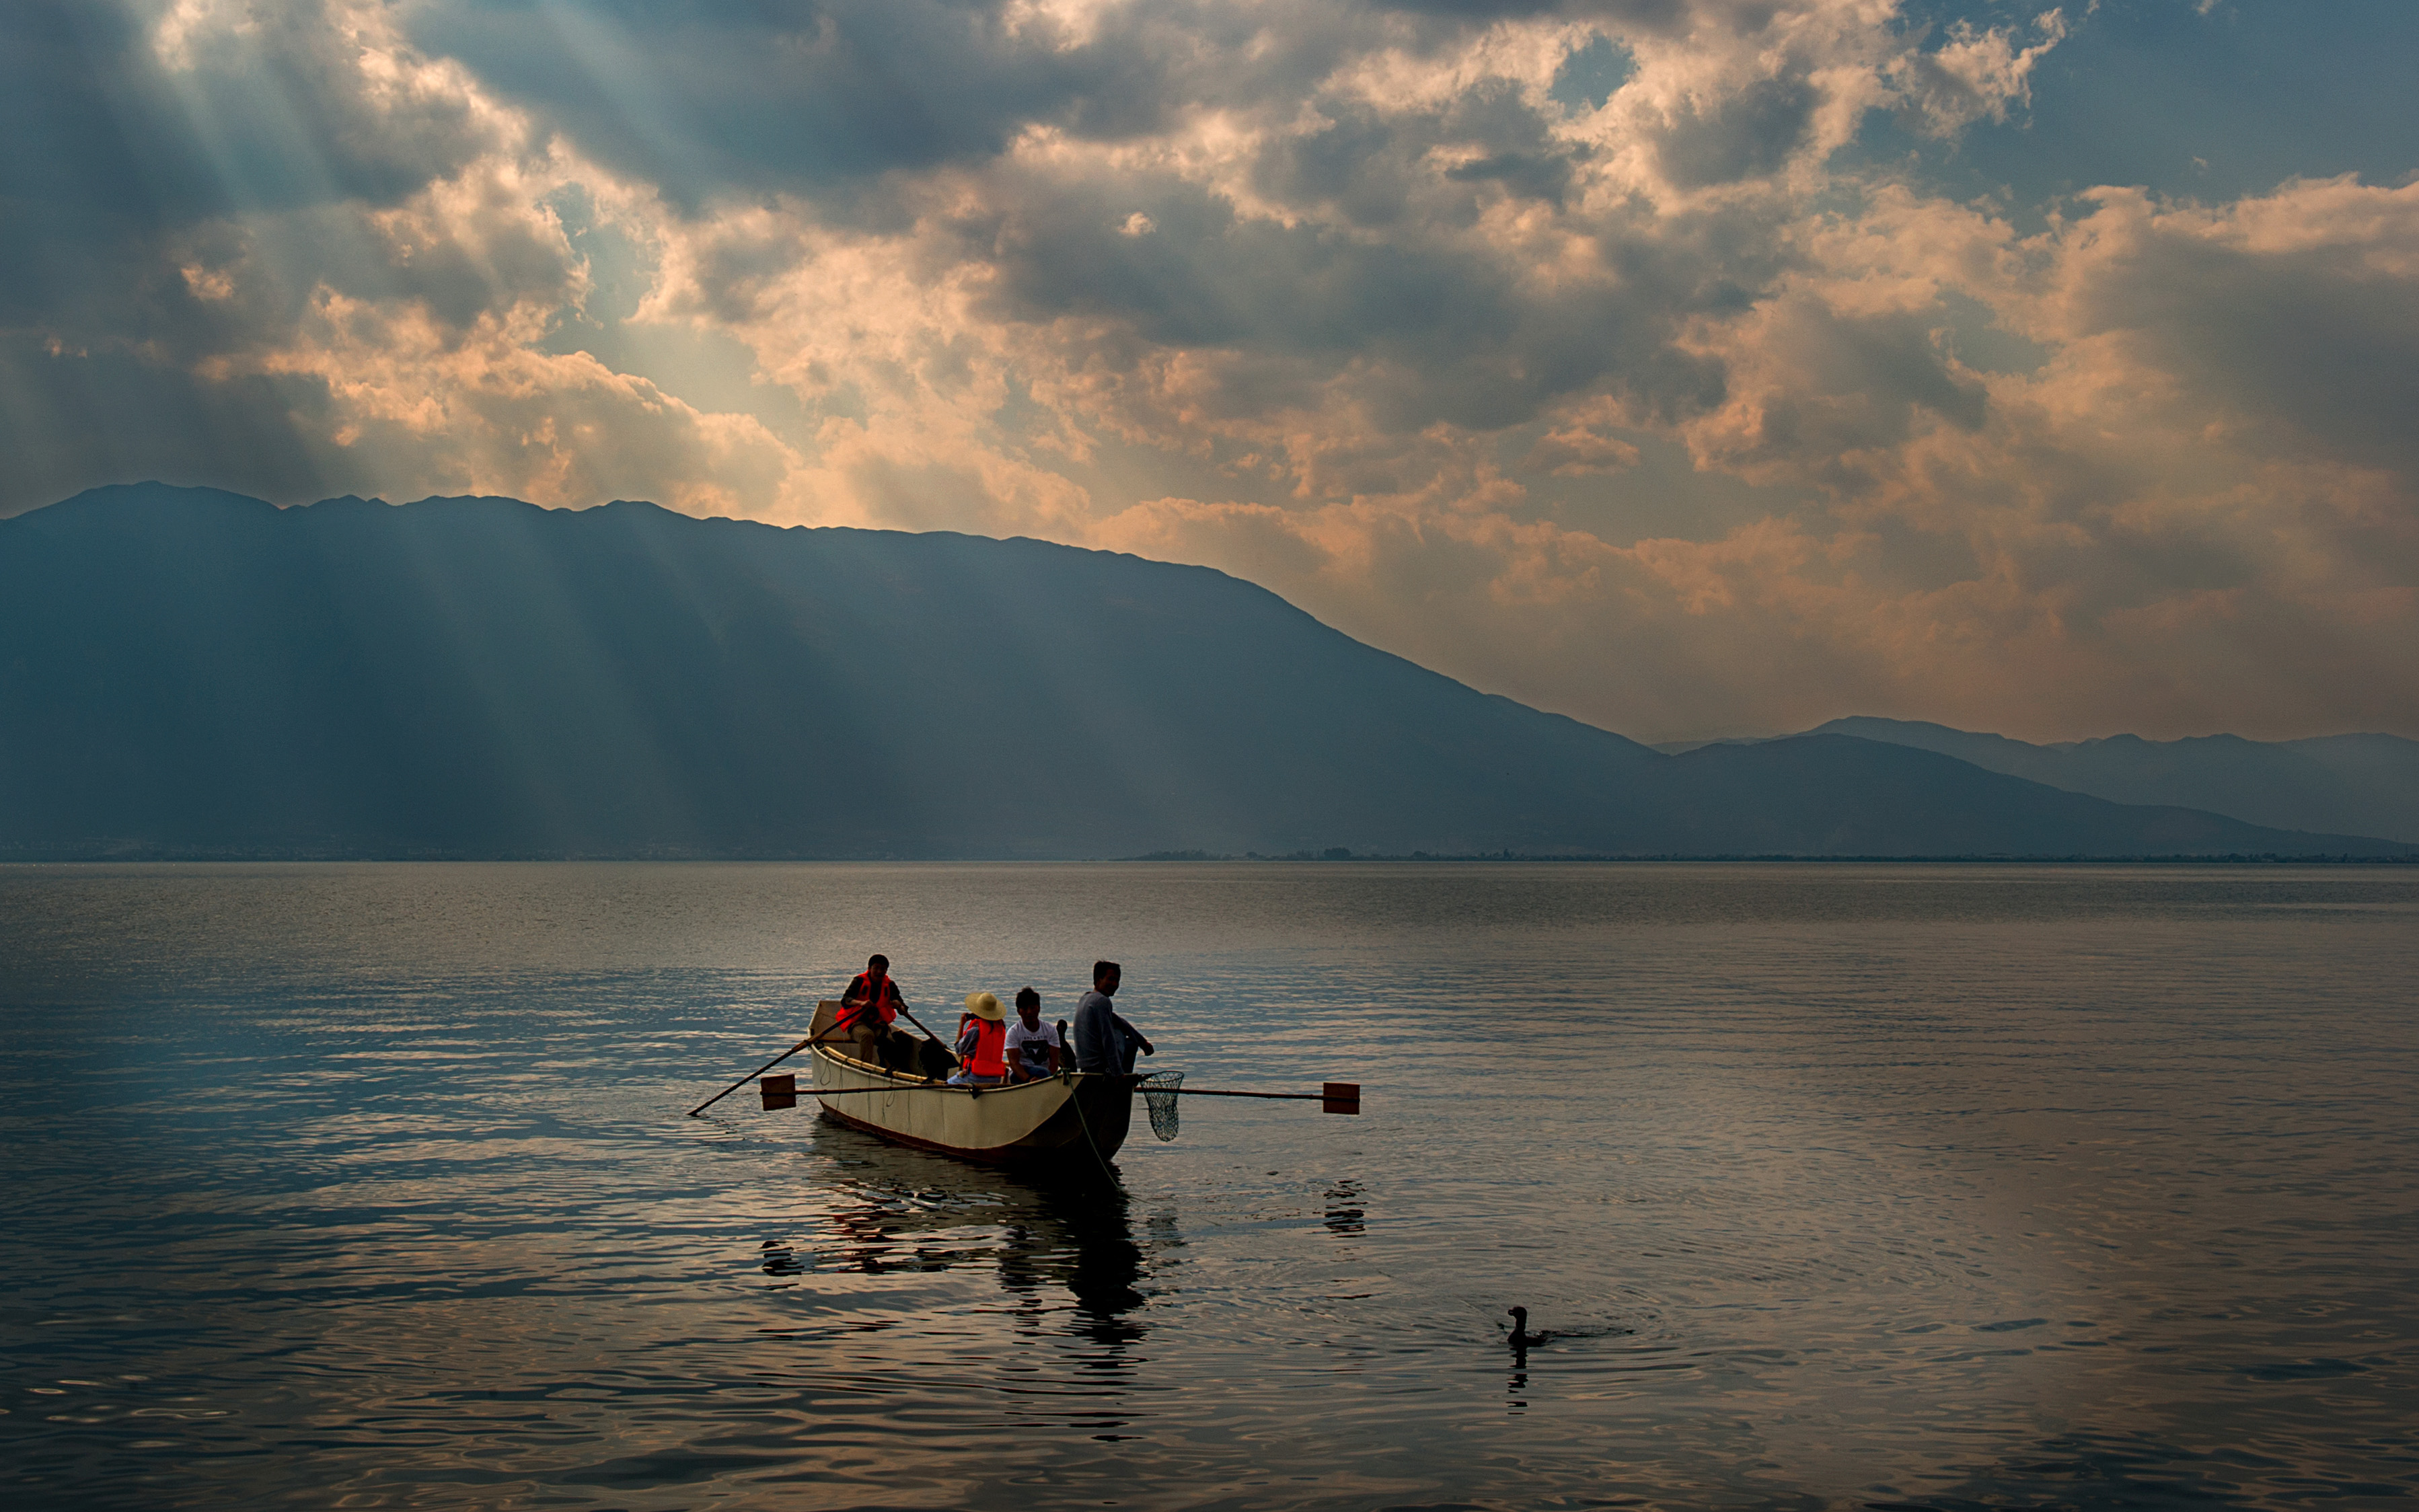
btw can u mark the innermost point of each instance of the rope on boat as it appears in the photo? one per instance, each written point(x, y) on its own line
point(1075, 1096)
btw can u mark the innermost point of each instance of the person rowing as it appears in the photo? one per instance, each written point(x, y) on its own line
point(867, 1010)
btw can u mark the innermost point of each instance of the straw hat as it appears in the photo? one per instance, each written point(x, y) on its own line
point(984, 1006)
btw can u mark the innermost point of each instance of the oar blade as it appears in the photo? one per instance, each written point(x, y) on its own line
point(779, 1091)
point(1339, 1097)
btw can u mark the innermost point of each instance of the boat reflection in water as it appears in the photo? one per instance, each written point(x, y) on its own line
point(1066, 1252)
point(1081, 1239)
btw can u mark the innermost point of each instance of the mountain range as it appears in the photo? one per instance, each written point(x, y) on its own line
point(2362, 785)
point(186, 672)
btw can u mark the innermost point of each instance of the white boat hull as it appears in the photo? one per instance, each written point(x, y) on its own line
point(1078, 1119)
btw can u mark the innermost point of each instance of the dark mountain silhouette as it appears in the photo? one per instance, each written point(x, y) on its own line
point(188, 672)
point(2356, 785)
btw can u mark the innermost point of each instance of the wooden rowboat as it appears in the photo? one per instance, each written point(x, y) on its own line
point(1077, 1119)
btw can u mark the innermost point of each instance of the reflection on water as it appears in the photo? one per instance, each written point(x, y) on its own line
point(916, 1209)
point(1064, 1251)
point(781, 1260)
point(1343, 1213)
point(1835, 1186)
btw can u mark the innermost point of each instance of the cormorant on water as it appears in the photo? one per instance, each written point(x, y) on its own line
point(1521, 1337)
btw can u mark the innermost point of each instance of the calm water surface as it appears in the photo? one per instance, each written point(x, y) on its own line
point(1851, 1187)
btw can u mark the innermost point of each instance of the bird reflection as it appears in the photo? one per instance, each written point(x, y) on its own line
point(780, 1260)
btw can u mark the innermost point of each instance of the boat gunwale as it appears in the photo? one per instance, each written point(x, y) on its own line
point(892, 1081)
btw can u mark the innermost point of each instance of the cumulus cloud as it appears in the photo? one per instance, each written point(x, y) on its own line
point(277, 247)
point(1974, 74)
point(1647, 400)
point(1576, 451)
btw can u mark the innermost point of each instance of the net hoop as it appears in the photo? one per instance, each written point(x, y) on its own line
point(1159, 1091)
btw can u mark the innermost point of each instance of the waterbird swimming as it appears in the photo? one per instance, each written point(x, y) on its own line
point(1521, 1337)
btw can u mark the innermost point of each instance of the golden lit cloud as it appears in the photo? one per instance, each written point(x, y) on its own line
point(1597, 355)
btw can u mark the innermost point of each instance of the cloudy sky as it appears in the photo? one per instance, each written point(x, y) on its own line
point(1687, 366)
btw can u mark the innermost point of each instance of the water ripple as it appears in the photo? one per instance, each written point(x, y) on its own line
point(1888, 1186)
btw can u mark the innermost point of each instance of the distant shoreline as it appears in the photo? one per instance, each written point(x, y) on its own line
point(264, 858)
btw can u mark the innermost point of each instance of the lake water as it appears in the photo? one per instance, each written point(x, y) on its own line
point(370, 1186)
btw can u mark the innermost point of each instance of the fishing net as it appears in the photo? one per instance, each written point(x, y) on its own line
point(1159, 1091)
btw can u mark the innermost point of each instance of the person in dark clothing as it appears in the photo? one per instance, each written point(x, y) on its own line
point(1104, 1041)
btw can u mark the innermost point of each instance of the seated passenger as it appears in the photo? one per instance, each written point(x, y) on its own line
point(964, 1048)
point(981, 1048)
point(1032, 1045)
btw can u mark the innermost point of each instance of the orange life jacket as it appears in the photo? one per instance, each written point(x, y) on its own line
point(990, 1041)
point(878, 993)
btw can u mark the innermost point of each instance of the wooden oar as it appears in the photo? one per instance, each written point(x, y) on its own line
point(751, 1076)
point(929, 1034)
point(1212, 1091)
point(783, 1092)
point(1339, 1097)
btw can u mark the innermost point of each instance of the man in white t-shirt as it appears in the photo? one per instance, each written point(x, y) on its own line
point(1032, 1045)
